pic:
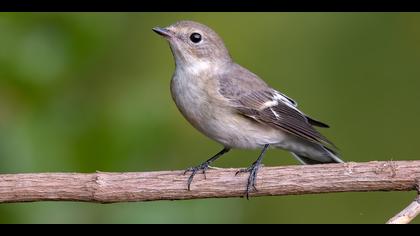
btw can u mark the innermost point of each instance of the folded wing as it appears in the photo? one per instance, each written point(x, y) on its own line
point(270, 107)
point(264, 108)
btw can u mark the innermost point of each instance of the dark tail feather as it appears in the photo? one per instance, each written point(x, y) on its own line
point(317, 123)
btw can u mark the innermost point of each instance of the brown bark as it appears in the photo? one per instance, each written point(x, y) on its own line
point(104, 187)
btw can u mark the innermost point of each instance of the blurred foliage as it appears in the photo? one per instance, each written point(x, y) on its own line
point(82, 92)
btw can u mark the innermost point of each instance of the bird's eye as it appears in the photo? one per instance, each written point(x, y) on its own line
point(195, 37)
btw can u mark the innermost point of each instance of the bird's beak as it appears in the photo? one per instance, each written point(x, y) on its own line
point(163, 32)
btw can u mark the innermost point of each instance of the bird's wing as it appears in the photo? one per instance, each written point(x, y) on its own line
point(269, 107)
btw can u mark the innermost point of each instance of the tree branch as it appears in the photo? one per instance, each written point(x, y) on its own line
point(410, 212)
point(104, 187)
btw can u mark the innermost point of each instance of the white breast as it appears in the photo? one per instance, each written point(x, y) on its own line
point(190, 96)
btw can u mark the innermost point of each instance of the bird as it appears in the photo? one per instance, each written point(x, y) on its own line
point(234, 107)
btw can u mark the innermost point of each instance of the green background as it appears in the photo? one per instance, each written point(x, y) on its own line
point(81, 92)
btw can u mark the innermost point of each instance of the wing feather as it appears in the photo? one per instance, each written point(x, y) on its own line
point(253, 98)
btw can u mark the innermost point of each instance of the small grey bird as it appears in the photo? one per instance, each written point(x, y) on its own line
point(233, 106)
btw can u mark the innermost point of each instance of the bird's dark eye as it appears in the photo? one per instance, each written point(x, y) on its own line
point(195, 37)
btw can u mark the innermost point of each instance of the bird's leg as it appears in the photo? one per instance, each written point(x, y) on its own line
point(204, 166)
point(253, 169)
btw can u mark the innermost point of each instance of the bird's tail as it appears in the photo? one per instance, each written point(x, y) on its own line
point(329, 157)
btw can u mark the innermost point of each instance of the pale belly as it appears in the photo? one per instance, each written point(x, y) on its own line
point(236, 131)
point(221, 123)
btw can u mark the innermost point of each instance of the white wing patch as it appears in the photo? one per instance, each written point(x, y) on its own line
point(271, 103)
point(281, 97)
point(275, 113)
point(276, 99)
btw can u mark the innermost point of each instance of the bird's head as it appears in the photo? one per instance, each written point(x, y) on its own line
point(193, 43)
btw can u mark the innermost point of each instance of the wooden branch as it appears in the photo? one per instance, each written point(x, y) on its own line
point(104, 187)
point(410, 212)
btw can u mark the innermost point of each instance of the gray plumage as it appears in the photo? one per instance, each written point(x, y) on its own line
point(233, 106)
point(251, 97)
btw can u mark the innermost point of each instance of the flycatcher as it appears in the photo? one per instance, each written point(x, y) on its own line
point(233, 106)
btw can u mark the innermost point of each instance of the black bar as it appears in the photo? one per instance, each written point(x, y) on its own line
point(211, 5)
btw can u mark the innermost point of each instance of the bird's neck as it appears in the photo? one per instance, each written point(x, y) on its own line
point(199, 67)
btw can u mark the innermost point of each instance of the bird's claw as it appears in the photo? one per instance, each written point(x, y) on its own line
point(203, 167)
point(252, 179)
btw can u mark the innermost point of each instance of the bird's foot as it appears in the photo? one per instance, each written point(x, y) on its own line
point(203, 168)
point(252, 179)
